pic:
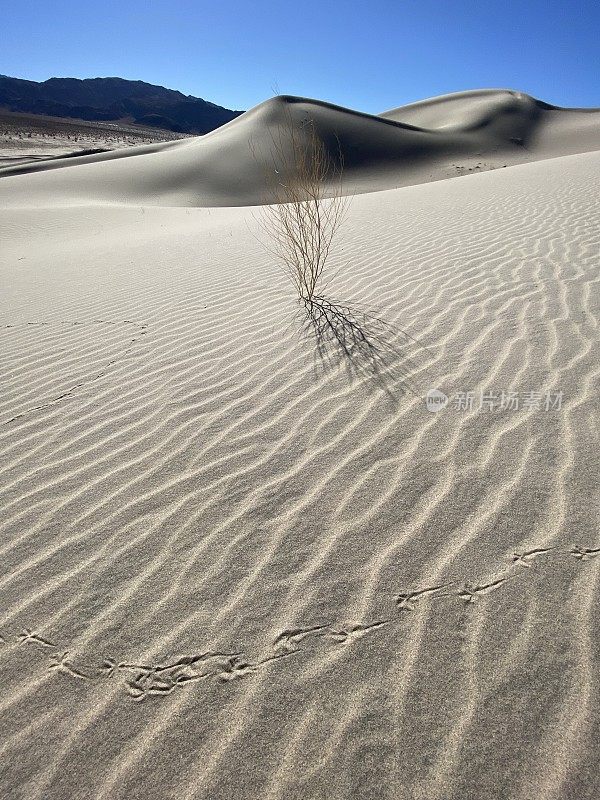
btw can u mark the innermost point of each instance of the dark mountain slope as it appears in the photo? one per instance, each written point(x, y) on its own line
point(112, 99)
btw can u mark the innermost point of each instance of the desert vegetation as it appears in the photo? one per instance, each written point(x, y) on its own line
point(305, 203)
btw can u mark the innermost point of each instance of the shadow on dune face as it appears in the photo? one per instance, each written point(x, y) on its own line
point(370, 348)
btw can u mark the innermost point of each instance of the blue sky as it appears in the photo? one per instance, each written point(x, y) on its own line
point(370, 55)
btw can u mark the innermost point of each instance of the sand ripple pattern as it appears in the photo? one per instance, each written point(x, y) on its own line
point(228, 571)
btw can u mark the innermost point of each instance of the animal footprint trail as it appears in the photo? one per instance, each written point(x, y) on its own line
point(407, 601)
point(62, 664)
point(192, 661)
point(469, 593)
point(144, 680)
point(237, 667)
point(289, 639)
point(108, 668)
point(69, 393)
point(162, 679)
point(352, 632)
point(147, 683)
point(525, 558)
point(196, 667)
point(584, 553)
point(28, 636)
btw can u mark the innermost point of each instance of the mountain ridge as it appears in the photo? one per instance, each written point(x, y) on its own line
point(114, 98)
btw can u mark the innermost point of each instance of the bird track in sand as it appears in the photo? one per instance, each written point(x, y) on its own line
point(69, 392)
point(143, 680)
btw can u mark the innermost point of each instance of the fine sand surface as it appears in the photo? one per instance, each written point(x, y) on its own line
point(237, 563)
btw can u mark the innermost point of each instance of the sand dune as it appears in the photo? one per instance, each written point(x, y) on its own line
point(445, 137)
point(234, 569)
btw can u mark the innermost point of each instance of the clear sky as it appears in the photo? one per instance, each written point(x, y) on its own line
point(369, 55)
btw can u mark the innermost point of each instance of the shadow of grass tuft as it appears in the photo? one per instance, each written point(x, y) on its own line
point(370, 348)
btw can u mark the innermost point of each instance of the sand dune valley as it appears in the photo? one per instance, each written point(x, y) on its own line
point(250, 551)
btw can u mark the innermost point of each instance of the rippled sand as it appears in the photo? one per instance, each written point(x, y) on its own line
point(235, 568)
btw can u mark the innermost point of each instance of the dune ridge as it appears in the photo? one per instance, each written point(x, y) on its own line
point(444, 137)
